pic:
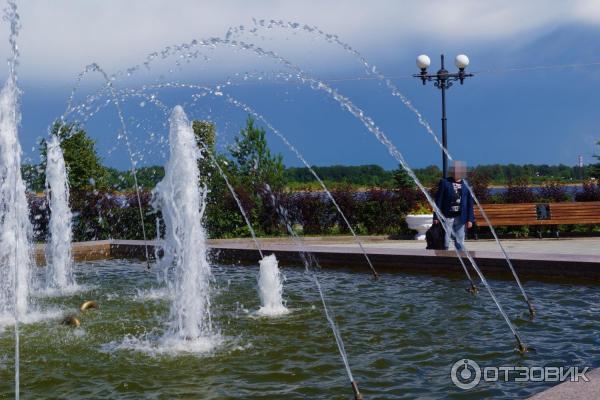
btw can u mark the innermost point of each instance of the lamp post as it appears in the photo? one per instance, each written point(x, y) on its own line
point(443, 80)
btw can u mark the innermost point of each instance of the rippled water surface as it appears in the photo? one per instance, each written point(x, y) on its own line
point(402, 335)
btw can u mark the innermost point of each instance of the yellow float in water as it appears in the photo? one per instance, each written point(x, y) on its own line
point(87, 305)
point(71, 320)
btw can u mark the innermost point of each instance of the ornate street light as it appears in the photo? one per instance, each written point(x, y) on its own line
point(443, 80)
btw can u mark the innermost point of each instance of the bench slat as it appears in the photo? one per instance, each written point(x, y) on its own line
point(525, 214)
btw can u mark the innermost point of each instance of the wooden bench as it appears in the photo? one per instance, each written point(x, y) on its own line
point(539, 214)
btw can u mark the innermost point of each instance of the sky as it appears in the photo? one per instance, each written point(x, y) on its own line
point(533, 98)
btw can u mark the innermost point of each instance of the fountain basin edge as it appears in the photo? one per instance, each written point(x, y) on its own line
point(536, 266)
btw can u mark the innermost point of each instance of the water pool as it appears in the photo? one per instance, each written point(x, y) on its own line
point(402, 334)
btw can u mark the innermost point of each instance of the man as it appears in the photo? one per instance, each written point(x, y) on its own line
point(456, 204)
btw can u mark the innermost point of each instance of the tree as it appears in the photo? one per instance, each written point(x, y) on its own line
point(33, 177)
point(429, 175)
point(253, 161)
point(147, 178)
point(204, 132)
point(83, 164)
point(222, 217)
point(258, 174)
point(595, 169)
point(357, 175)
point(480, 183)
point(402, 180)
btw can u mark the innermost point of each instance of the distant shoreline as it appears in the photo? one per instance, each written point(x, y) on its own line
point(538, 185)
point(360, 189)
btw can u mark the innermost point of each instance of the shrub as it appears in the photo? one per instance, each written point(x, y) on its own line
point(590, 191)
point(272, 208)
point(480, 182)
point(223, 217)
point(346, 198)
point(519, 191)
point(123, 216)
point(554, 192)
point(39, 215)
point(384, 211)
point(91, 213)
point(314, 213)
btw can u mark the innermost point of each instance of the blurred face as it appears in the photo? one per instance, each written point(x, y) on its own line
point(459, 170)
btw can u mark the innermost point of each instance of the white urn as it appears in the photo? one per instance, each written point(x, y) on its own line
point(419, 223)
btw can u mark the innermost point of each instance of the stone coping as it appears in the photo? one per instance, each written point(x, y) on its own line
point(386, 256)
point(580, 390)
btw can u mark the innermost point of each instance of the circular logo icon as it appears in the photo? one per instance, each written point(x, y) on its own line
point(465, 374)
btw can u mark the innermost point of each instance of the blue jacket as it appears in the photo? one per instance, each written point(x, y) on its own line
point(445, 196)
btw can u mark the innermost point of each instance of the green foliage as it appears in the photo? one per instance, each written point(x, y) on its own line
point(222, 216)
point(502, 174)
point(422, 208)
point(84, 167)
point(374, 200)
point(314, 213)
point(256, 175)
point(480, 183)
point(33, 176)
point(383, 212)
point(204, 132)
point(402, 180)
point(429, 175)
point(375, 176)
point(91, 210)
point(357, 177)
point(360, 175)
point(100, 216)
point(595, 169)
point(147, 178)
point(253, 164)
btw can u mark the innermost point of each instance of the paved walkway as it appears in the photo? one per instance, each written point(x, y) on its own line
point(574, 259)
point(571, 246)
point(580, 390)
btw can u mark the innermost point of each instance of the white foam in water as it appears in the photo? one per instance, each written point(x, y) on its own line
point(32, 317)
point(166, 345)
point(181, 201)
point(152, 294)
point(15, 229)
point(59, 274)
point(61, 292)
point(270, 288)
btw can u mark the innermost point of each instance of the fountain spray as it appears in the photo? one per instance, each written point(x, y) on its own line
point(15, 228)
point(394, 152)
point(372, 127)
point(381, 137)
point(155, 101)
point(309, 261)
point(58, 251)
point(181, 199)
point(395, 91)
point(270, 288)
point(186, 47)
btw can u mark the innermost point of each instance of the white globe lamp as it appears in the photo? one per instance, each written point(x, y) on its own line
point(423, 62)
point(461, 61)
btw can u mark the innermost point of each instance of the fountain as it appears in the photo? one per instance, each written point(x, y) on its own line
point(59, 274)
point(192, 283)
point(270, 288)
point(181, 200)
point(15, 228)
